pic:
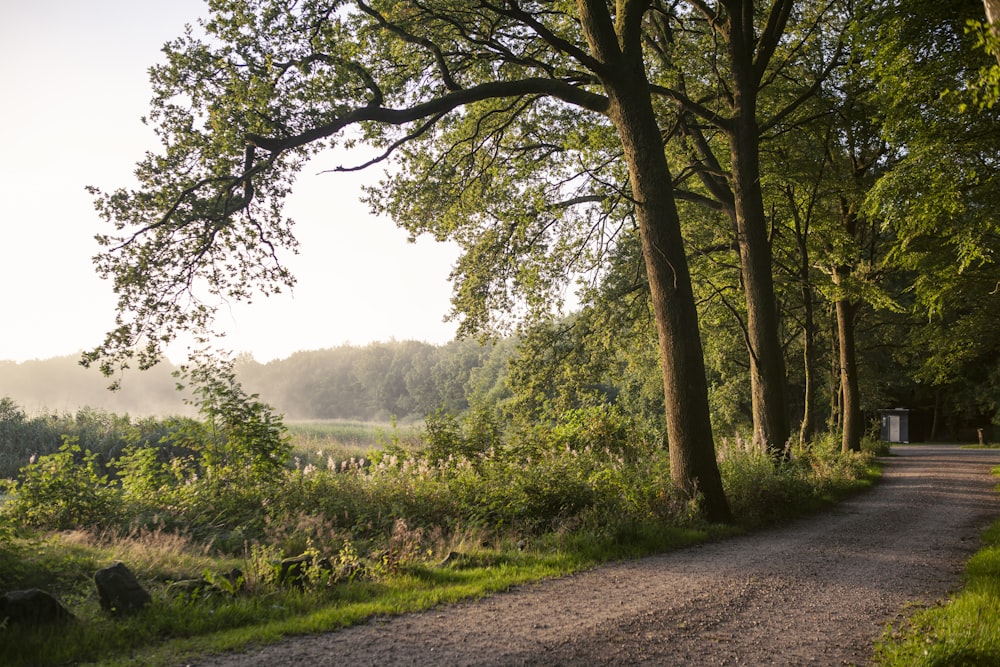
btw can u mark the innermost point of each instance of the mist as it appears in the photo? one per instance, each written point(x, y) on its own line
point(62, 385)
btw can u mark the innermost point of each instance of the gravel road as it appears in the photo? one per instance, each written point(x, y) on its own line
point(816, 592)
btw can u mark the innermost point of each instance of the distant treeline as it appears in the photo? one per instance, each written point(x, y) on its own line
point(401, 379)
point(407, 380)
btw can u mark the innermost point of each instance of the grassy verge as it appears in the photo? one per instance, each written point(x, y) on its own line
point(174, 630)
point(540, 505)
point(965, 630)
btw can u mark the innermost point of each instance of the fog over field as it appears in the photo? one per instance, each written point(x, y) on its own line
point(60, 384)
point(407, 380)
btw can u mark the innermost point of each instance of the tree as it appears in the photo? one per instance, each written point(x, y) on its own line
point(796, 189)
point(992, 18)
point(241, 440)
point(502, 90)
point(736, 71)
point(940, 196)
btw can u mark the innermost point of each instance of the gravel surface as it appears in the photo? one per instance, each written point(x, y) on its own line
point(816, 592)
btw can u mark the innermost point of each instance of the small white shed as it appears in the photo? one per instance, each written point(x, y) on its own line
point(895, 425)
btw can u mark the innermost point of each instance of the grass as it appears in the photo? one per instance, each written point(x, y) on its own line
point(963, 631)
point(171, 631)
point(328, 443)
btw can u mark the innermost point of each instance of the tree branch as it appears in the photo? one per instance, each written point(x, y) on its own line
point(768, 41)
point(439, 59)
point(448, 102)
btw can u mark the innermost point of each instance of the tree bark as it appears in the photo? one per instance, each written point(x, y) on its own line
point(836, 418)
point(853, 424)
point(846, 307)
point(993, 18)
point(808, 427)
point(769, 399)
point(992, 10)
point(693, 466)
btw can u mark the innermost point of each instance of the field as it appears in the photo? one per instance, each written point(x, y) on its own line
point(324, 444)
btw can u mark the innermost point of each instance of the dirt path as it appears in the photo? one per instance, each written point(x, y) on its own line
point(815, 592)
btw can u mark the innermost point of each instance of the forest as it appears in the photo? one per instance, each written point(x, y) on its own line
point(778, 218)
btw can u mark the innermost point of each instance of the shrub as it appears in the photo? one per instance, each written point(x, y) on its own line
point(63, 490)
point(603, 427)
point(240, 440)
point(447, 437)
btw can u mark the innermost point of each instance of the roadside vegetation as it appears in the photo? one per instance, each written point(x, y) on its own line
point(461, 507)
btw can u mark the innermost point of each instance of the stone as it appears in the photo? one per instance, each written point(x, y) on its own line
point(119, 591)
point(31, 607)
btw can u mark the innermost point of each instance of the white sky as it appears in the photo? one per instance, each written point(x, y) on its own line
point(74, 80)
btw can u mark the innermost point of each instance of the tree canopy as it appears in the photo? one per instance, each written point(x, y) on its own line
point(713, 175)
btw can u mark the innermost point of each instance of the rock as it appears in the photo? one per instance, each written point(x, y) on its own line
point(31, 607)
point(119, 591)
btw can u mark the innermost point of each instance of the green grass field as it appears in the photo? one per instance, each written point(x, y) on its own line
point(326, 443)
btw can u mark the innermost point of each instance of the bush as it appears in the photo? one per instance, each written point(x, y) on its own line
point(241, 440)
point(105, 434)
point(63, 490)
point(446, 437)
point(760, 488)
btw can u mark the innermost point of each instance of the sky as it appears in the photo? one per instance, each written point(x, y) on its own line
point(75, 86)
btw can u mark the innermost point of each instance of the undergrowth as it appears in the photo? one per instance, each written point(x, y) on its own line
point(472, 509)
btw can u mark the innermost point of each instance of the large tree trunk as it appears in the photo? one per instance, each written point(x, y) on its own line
point(993, 18)
point(767, 363)
point(853, 422)
point(850, 395)
point(769, 399)
point(693, 465)
point(836, 414)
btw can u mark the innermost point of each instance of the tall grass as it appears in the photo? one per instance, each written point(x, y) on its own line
point(329, 443)
point(762, 490)
point(25, 437)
